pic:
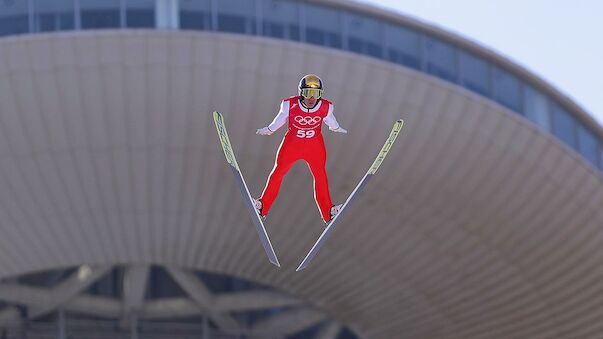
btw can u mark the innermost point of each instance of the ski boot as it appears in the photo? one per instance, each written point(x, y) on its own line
point(333, 212)
point(257, 203)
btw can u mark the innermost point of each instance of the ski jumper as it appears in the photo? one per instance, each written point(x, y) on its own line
point(303, 141)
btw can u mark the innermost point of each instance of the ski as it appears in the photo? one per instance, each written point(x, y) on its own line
point(369, 174)
point(230, 158)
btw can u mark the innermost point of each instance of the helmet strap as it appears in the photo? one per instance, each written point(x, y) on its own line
point(303, 102)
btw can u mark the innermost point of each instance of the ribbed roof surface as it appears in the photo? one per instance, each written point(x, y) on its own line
point(477, 225)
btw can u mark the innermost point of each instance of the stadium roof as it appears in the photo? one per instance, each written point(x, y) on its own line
point(479, 224)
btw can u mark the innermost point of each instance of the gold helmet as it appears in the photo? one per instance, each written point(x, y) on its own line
point(310, 86)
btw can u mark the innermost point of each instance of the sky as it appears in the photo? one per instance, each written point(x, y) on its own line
point(558, 40)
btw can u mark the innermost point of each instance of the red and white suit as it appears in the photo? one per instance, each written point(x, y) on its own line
point(303, 141)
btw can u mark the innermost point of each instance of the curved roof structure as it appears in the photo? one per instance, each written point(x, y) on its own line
point(115, 160)
point(479, 224)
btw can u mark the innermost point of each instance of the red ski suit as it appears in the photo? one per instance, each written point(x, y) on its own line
point(303, 141)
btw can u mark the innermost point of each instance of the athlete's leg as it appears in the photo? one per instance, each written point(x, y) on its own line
point(285, 158)
point(317, 161)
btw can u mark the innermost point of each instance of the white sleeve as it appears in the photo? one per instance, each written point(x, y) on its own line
point(281, 117)
point(330, 119)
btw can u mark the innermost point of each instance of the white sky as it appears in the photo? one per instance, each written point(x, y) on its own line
point(559, 40)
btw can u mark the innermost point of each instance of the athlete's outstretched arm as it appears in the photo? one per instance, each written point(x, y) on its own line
point(278, 121)
point(331, 121)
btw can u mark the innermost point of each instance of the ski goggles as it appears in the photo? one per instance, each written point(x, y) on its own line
point(311, 92)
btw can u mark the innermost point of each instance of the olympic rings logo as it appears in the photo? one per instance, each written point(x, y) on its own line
point(307, 120)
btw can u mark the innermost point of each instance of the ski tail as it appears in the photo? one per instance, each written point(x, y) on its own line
point(393, 135)
point(232, 161)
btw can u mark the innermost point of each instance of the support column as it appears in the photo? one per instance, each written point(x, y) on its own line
point(167, 14)
point(206, 334)
point(134, 326)
point(61, 325)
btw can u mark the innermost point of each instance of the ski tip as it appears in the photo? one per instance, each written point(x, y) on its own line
point(275, 263)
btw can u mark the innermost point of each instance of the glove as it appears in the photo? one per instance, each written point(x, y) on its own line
point(339, 130)
point(264, 131)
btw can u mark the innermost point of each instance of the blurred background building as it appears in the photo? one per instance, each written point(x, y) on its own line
point(119, 219)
